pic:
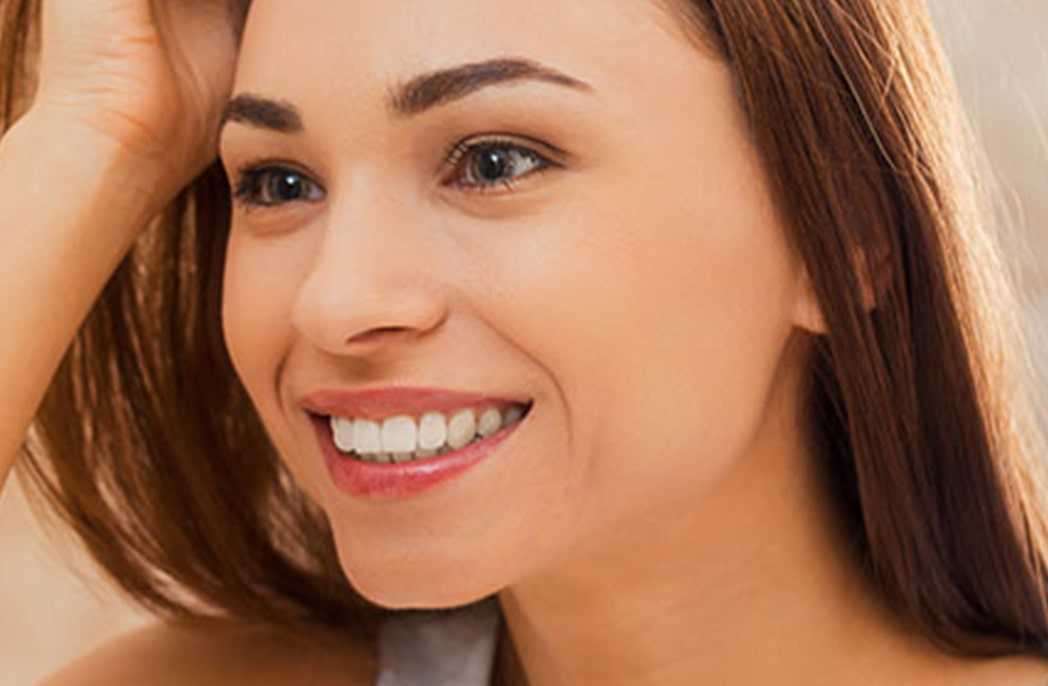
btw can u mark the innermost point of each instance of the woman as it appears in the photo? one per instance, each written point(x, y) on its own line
point(712, 358)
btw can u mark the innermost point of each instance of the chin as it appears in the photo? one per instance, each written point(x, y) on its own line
point(414, 582)
point(413, 596)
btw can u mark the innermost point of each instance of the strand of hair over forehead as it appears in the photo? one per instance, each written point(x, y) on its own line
point(238, 10)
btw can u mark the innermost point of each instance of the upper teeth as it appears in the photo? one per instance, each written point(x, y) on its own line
point(400, 434)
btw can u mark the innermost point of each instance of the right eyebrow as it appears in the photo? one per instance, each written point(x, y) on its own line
point(446, 85)
point(417, 95)
point(262, 113)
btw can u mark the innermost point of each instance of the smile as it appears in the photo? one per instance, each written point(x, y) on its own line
point(385, 469)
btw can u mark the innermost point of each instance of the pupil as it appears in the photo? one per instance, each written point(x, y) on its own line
point(286, 183)
point(492, 164)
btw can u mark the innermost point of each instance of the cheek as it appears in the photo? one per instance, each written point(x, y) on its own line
point(263, 277)
point(662, 321)
point(259, 287)
point(703, 314)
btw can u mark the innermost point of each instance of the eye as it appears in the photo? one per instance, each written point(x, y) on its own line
point(487, 164)
point(263, 185)
point(479, 167)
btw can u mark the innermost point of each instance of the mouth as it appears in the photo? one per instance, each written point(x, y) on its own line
point(400, 456)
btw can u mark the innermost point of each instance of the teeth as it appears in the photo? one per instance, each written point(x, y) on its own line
point(461, 429)
point(399, 439)
point(398, 435)
point(513, 414)
point(490, 422)
point(432, 431)
point(342, 429)
point(367, 437)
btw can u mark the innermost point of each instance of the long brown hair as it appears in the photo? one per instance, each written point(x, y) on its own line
point(920, 408)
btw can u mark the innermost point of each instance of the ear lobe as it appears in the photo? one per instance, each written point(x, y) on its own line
point(808, 314)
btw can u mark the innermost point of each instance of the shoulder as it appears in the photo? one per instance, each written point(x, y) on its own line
point(1021, 670)
point(214, 652)
point(1013, 670)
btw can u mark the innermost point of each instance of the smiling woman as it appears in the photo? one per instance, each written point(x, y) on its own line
point(568, 343)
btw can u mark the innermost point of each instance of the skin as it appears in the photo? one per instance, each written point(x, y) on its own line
point(657, 520)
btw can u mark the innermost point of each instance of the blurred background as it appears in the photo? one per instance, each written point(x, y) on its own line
point(55, 608)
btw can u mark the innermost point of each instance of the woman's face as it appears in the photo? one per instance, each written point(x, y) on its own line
point(634, 281)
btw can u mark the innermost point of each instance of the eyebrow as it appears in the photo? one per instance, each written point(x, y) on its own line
point(407, 99)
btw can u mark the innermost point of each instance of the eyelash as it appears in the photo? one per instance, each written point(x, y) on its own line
point(253, 174)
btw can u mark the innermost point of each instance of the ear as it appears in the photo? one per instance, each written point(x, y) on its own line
point(807, 313)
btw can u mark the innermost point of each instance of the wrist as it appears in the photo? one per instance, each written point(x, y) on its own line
point(74, 157)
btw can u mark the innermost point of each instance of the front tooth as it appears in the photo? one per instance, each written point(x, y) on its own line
point(398, 435)
point(432, 431)
point(367, 436)
point(342, 431)
point(490, 422)
point(461, 429)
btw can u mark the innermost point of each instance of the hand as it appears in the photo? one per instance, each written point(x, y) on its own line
point(151, 76)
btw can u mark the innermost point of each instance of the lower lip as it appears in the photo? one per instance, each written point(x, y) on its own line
point(402, 479)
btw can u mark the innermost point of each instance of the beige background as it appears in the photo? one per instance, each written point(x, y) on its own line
point(50, 614)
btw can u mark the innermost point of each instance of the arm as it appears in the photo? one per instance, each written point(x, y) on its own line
point(71, 204)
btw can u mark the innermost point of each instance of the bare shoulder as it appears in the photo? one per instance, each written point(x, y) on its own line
point(214, 652)
point(1025, 670)
point(1014, 670)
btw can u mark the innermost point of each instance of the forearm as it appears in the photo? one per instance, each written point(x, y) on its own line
point(70, 208)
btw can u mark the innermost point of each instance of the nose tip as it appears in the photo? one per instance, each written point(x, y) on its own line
point(339, 335)
point(370, 284)
point(347, 321)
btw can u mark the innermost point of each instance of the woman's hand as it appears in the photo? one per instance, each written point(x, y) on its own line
point(151, 76)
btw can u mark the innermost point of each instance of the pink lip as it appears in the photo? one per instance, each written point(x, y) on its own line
point(399, 480)
point(379, 403)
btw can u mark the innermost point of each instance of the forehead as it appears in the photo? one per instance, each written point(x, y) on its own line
point(360, 48)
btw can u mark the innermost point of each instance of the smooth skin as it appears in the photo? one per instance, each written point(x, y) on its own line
point(656, 520)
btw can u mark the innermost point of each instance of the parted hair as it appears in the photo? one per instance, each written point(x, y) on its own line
point(920, 408)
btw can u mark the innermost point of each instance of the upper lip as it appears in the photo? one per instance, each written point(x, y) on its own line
point(379, 403)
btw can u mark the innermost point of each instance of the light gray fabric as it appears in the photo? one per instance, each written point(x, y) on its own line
point(453, 647)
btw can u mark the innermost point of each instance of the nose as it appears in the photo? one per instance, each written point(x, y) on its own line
point(370, 285)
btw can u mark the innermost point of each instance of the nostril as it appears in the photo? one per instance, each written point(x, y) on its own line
point(375, 334)
point(386, 329)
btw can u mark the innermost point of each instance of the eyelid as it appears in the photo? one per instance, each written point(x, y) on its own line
point(509, 139)
point(265, 166)
point(265, 163)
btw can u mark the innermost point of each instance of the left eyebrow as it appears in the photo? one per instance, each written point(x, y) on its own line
point(411, 98)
